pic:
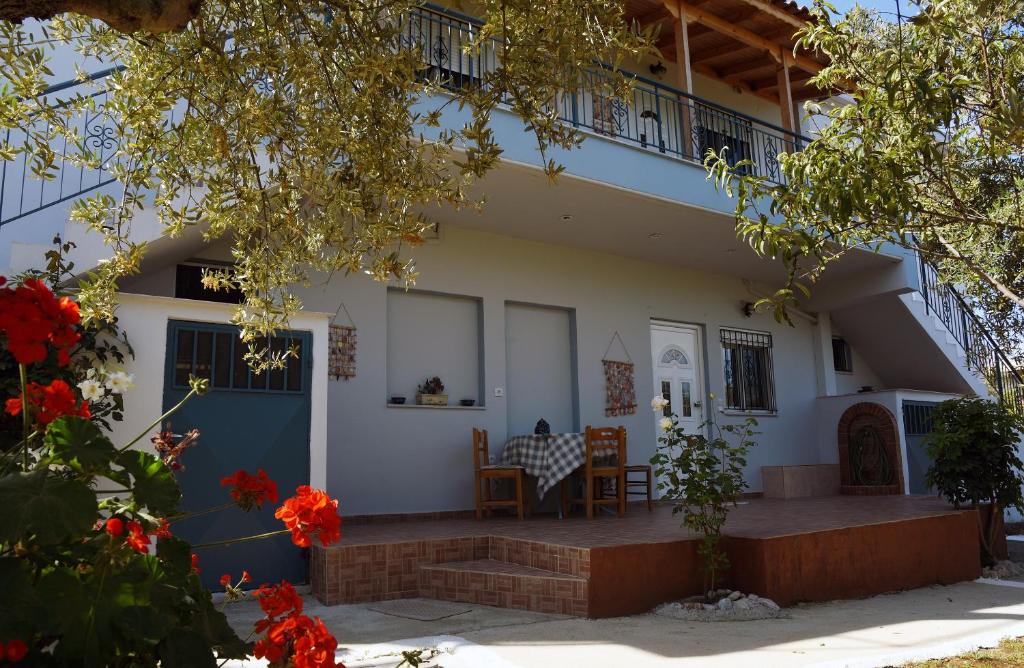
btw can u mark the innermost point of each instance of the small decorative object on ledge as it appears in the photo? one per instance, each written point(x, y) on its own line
point(341, 348)
point(542, 428)
point(620, 390)
point(431, 393)
point(467, 402)
point(398, 400)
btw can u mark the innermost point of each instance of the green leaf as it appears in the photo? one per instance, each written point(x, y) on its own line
point(144, 622)
point(153, 484)
point(47, 509)
point(80, 444)
point(186, 649)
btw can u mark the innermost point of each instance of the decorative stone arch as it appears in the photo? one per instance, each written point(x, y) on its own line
point(870, 462)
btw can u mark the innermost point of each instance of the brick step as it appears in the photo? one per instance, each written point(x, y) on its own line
point(506, 585)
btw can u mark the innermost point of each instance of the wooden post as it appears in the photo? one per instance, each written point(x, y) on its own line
point(684, 79)
point(786, 99)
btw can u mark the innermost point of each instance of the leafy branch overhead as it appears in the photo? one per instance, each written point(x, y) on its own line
point(307, 133)
point(923, 151)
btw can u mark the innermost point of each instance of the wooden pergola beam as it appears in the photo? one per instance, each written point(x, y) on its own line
point(777, 13)
point(740, 34)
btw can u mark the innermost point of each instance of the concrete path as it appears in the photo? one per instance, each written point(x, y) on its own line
point(885, 630)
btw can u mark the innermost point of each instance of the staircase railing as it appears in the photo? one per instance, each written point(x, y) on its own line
point(22, 193)
point(984, 354)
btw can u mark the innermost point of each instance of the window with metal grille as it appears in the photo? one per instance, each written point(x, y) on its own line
point(217, 354)
point(842, 356)
point(749, 378)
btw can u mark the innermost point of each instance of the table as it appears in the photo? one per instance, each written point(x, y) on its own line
point(551, 458)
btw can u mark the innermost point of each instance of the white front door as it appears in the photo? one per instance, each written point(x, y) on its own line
point(678, 373)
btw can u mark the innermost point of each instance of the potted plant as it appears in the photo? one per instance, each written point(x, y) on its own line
point(431, 393)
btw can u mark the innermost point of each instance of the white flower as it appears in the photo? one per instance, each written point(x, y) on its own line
point(658, 404)
point(91, 389)
point(666, 424)
point(119, 382)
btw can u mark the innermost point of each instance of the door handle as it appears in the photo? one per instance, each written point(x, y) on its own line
point(697, 404)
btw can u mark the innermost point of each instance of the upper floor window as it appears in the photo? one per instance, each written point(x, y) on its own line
point(749, 378)
point(842, 355)
point(188, 284)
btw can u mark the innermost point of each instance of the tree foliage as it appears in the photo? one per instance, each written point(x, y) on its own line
point(307, 133)
point(923, 150)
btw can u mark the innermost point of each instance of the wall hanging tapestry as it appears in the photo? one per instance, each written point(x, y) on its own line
point(341, 348)
point(620, 390)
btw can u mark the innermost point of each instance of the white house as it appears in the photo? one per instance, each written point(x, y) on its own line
point(630, 257)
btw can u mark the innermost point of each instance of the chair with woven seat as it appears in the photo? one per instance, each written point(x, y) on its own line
point(642, 486)
point(605, 462)
point(484, 472)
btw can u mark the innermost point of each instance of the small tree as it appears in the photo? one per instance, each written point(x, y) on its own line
point(973, 447)
point(705, 478)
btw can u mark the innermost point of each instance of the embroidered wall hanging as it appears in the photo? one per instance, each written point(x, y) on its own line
point(341, 348)
point(342, 353)
point(620, 390)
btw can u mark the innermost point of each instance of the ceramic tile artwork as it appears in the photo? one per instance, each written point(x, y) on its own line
point(342, 352)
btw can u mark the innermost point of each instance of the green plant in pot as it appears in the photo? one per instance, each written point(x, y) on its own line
point(431, 393)
point(975, 462)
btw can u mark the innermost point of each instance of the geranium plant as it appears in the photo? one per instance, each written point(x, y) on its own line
point(90, 568)
point(704, 476)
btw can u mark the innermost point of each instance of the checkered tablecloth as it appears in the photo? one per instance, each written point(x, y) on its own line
point(550, 458)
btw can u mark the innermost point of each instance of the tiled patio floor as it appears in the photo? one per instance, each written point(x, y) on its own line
point(792, 550)
point(757, 518)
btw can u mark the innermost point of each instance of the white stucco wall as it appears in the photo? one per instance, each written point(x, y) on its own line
point(385, 459)
point(144, 319)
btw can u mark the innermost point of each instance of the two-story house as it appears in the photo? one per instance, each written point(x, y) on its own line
point(631, 257)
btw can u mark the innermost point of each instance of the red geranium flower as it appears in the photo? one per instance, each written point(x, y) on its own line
point(246, 577)
point(15, 650)
point(225, 580)
point(195, 564)
point(251, 491)
point(311, 512)
point(292, 638)
point(115, 527)
point(136, 538)
point(31, 316)
point(163, 530)
point(49, 402)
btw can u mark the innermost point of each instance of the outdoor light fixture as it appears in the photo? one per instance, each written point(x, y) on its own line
point(657, 69)
point(566, 218)
point(649, 114)
point(748, 309)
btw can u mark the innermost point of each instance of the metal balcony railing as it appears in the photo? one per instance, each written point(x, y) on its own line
point(657, 118)
point(984, 355)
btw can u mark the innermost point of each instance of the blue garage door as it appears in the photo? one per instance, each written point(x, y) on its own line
point(247, 421)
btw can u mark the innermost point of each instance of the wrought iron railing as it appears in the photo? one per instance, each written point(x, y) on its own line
point(983, 353)
point(656, 117)
point(22, 194)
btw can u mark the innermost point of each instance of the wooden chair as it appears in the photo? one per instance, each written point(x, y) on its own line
point(644, 485)
point(602, 444)
point(484, 472)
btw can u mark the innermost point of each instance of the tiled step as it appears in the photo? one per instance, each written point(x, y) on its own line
point(503, 584)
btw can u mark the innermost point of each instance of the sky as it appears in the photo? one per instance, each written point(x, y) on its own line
point(886, 7)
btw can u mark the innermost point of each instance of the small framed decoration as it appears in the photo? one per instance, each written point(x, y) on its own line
point(342, 353)
point(620, 389)
point(341, 348)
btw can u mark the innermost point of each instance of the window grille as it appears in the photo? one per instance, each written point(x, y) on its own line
point(842, 356)
point(749, 376)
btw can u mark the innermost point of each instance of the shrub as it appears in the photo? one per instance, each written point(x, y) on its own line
point(974, 450)
point(705, 478)
point(90, 570)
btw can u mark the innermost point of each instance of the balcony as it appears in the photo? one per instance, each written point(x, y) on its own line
point(656, 117)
